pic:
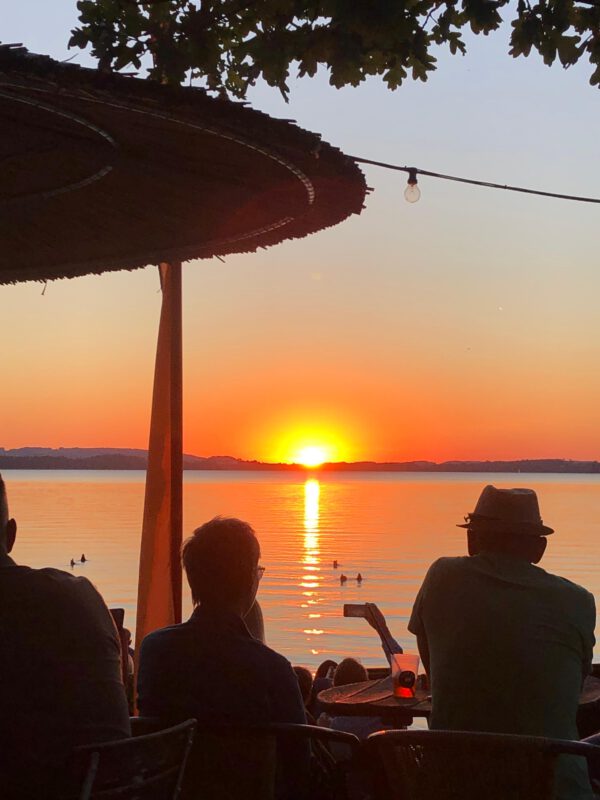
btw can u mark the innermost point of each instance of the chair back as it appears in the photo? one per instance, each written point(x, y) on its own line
point(261, 762)
point(148, 767)
point(457, 765)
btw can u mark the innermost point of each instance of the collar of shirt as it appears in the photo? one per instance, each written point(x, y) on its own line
point(222, 618)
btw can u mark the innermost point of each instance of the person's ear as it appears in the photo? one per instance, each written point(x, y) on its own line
point(539, 549)
point(473, 543)
point(11, 534)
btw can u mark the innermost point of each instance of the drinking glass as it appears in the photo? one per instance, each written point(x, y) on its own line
point(405, 667)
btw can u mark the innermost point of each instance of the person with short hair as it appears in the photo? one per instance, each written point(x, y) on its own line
point(210, 667)
point(305, 682)
point(506, 645)
point(60, 671)
point(349, 670)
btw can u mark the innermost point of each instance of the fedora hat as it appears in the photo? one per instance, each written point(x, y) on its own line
point(507, 511)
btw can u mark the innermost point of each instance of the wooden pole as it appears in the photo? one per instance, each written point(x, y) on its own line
point(159, 585)
point(176, 404)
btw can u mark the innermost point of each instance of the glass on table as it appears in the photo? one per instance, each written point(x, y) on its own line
point(405, 667)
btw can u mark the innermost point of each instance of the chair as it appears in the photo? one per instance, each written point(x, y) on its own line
point(261, 762)
point(146, 767)
point(457, 765)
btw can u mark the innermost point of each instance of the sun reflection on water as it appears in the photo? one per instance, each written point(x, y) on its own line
point(310, 560)
point(312, 490)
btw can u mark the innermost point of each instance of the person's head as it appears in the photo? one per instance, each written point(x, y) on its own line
point(305, 682)
point(507, 521)
point(8, 527)
point(349, 670)
point(324, 667)
point(221, 563)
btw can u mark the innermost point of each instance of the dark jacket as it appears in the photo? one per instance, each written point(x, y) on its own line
point(212, 669)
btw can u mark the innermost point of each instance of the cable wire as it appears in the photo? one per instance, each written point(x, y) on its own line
point(472, 182)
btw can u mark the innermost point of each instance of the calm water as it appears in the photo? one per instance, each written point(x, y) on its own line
point(387, 526)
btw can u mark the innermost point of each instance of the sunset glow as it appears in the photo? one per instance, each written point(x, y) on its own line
point(312, 456)
point(336, 341)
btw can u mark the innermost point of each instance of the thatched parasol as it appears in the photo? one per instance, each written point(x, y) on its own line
point(104, 172)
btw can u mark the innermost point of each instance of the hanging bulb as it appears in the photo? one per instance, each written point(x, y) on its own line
point(412, 193)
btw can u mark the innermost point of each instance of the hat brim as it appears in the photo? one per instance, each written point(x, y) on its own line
point(500, 526)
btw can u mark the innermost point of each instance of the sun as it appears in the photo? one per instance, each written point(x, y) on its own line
point(311, 456)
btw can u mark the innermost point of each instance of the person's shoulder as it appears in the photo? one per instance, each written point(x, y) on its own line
point(43, 573)
point(274, 660)
point(447, 565)
point(54, 579)
point(568, 588)
point(164, 635)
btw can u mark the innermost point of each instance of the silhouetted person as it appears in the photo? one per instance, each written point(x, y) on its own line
point(210, 667)
point(518, 639)
point(83, 559)
point(343, 578)
point(359, 578)
point(323, 680)
point(72, 563)
point(349, 670)
point(60, 671)
point(305, 682)
point(335, 564)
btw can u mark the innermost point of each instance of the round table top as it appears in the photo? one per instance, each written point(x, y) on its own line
point(376, 698)
point(590, 691)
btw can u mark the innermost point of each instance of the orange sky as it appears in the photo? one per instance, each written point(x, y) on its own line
point(465, 326)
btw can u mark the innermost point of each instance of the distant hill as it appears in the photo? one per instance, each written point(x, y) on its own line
point(130, 458)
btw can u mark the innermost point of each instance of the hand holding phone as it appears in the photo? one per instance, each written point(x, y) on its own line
point(355, 610)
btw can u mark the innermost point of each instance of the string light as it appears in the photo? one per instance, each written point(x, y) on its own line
point(412, 193)
point(415, 192)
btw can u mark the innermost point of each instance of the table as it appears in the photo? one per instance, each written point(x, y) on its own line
point(376, 698)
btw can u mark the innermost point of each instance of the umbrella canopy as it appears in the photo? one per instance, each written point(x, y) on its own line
point(104, 172)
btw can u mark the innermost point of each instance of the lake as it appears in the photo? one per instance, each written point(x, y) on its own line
point(387, 526)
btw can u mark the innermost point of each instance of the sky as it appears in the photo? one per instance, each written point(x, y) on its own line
point(464, 326)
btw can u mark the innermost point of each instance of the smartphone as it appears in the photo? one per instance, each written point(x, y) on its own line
point(355, 610)
point(118, 614)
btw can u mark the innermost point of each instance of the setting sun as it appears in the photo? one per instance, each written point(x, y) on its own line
point(312, 456)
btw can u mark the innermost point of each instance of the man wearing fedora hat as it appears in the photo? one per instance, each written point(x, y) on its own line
point(506, 645)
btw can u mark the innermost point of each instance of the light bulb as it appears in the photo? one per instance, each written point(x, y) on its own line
point(412, 193)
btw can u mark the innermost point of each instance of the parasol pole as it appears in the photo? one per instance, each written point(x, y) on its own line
point(159, 585)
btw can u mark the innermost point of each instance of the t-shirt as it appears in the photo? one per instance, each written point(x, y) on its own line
point(509, 645)
point(60, 673)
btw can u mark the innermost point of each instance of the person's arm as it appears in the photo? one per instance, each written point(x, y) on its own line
point(588, 639)
point(293, 754)
point(287, 704)
point(416, 624)
point(423, 647)
point(377, 621)
point(150, 688)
